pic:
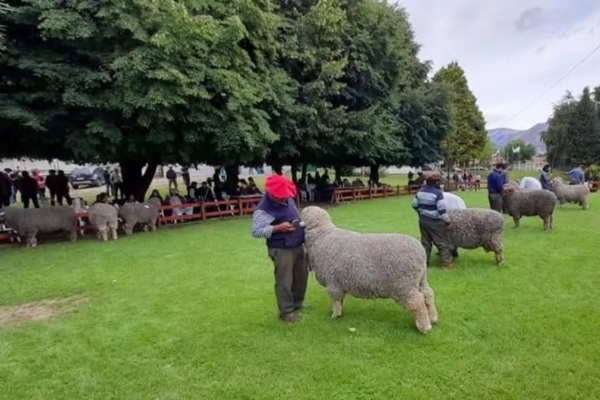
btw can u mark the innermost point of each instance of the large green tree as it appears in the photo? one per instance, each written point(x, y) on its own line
point(518, 151)
point(140, 82)
point(573, 135)
point(467, 136)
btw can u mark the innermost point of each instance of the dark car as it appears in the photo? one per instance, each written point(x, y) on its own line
point(87, 176)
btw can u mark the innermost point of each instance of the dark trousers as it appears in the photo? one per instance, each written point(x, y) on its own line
point(496, 202)
point(291, 278)
point(60, 196)
point(27, 198)
point(434, 233)
point(117, 189)
point(52, 196)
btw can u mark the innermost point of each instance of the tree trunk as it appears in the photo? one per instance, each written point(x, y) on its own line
point(338, 173)
point(374, 174)
point(277, 168)
point(134, 182)
point(295, 172)
point(304, 174)
point(233, 177)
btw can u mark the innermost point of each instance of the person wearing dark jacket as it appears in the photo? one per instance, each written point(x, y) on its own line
point(51, 185)
point(62, 188)
point(276, 220)
point(495, 181)
point(185, 175)
point(5, 190)
point(29, 190)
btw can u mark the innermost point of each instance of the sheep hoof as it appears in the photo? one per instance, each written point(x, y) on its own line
point(335, 315)
point(424, 329)
point(434, 319)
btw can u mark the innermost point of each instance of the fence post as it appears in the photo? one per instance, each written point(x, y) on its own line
point(240, 211)
point(353, 194)
point(203, 211)
point(398, 190)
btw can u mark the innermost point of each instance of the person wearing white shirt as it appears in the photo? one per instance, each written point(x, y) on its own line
point(530, 183)
point(454, 202)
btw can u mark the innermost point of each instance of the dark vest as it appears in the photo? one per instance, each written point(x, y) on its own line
point(283, 213)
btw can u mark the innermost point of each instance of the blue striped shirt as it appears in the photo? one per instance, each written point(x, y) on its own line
point(577, 176)
point(430, 204)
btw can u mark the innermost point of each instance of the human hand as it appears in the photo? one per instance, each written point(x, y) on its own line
point(284, 227)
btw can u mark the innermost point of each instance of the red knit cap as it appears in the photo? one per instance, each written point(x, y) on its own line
point(280, 187)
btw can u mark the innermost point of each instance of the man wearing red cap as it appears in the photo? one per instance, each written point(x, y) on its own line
point(277, 220)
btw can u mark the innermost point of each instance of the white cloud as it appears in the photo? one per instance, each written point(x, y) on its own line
point(512, 51)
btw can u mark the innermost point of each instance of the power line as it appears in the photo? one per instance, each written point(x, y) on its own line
point(551, 87)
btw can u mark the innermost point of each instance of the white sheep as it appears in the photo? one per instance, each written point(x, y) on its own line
point(104, 217)
point(472, 228)
point(369, 266)
point(570, 193)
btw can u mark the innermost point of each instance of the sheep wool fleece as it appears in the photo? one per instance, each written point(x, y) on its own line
point(286, 250)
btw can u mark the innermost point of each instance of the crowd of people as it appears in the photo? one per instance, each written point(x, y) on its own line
point(33, 188)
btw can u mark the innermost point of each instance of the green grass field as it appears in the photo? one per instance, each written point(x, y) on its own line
point(189, 313)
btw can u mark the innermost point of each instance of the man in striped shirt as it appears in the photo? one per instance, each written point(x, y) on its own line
point(433, 219)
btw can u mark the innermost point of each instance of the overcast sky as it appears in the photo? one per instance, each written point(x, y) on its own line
point(512, 51)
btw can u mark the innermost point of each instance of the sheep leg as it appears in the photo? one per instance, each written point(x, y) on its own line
point(429, 298)
point(517, 222)
point(31, 239)
point(73, 235)
point(104, 233)
point(337, 295)
point(547, 222)
point(128, 228)
point(415, 303)
point(146, 228)
point(113, 232)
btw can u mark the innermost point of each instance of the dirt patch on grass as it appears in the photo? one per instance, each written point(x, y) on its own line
point(39, 310)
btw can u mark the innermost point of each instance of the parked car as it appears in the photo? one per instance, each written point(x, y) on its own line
point(87, 176)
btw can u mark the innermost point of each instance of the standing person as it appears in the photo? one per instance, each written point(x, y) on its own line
point(434, 221)
point(15, 177)
point(545, 177)
point(495, 182)
point(505, 175)
point(276, 220)
point(577, 175)
point(51, 184)
point(5, 190)
point(172, 178)
point(185, 175)
point(106, 177)
point(29, 190)
point(41, 183)
point(62, 188)
point(116, 180)
point(411, 175)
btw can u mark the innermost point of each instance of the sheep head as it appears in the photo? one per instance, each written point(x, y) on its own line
point(556, 182)
point(509, 190)
point(316, 218)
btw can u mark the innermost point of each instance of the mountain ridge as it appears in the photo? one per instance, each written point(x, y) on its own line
point(501, 136)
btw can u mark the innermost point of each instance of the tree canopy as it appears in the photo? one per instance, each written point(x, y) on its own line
point(573, 135)
point(518, 151)
point(467, 136)
point(143, 83)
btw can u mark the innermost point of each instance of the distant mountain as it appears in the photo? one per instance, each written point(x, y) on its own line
point(501, 136)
